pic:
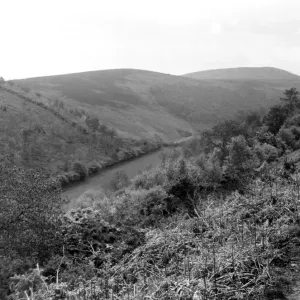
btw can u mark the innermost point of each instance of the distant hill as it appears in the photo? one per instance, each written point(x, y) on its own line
point(263, 73)
point(151, 105)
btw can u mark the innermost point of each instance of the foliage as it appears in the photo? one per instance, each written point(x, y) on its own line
point(87, 235)
point(266, 152)
point(119, 181)
point(30, 210)
point(230, 250)
point(291, 98)
point(210, 225)
point(219, 136)
point(143, 207)
point(240, 162)
point(80, 170)
point(92, 123)
point(30, 220)
point(275, 118)
point(211, 169)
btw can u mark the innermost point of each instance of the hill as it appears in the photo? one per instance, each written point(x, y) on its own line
point(36, 132)
point(151, 105)
point(223, 224)
point(260, 73)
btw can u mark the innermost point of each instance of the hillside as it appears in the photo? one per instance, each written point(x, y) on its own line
point(250, 73)
point(219, 221)
point(145, 104)
point(36, 132)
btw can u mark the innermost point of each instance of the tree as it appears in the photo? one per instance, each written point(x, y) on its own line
point(275, 118)
point(219, 136)
point(30, 210)
point(291, 97)
point(119, 180)
point(240, 162)
point(92, 123)
point(80, 169)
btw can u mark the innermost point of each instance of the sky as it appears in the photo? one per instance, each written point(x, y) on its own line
point(48, 37)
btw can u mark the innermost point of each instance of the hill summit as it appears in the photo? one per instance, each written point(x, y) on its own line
point(143, 104)
point(245, 73)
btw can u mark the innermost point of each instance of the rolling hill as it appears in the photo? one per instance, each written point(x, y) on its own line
point(36, 132)
point(259, 73)
point(151, 105)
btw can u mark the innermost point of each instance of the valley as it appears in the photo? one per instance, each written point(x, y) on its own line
point(129, 184)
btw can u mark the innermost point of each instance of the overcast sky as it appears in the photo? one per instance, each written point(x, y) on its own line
point(44, 37)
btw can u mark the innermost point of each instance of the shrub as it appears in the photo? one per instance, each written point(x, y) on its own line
point(80, 169)
point(92, 123)
point(119, 180)
point(211, 169)
point(293, 121)
point(266, 152)
point(287, 136)
point(30, 211)
point(240, 162)
point(87, 235)
point(143, 207)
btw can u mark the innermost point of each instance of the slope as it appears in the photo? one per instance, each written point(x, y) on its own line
point(38, 133)
point(144, 104)
point(245, 73)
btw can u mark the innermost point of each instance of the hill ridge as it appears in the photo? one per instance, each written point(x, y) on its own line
point(151, 105)
point(266, 73)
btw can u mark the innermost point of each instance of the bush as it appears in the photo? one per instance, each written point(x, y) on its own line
point(87, 235)
point(80, 169)
point(240, 163)
point(30, 209)
point(142, 207)
point(211, 169)
point(92, 123)
point(266, 152)
point(287, 136)
point(119, 180)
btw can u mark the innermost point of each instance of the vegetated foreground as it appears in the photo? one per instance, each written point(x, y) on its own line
point(220, 221)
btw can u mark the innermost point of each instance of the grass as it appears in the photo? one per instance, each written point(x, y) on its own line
point(144, 104)
point(38, 132)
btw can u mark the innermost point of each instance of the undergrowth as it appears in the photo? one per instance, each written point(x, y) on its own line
point(226, 250)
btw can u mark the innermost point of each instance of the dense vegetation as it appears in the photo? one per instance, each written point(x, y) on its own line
point(219, 220)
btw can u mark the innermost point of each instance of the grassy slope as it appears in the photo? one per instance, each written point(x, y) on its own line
point(147, 104)
point(36, 133)
point(260, 73)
